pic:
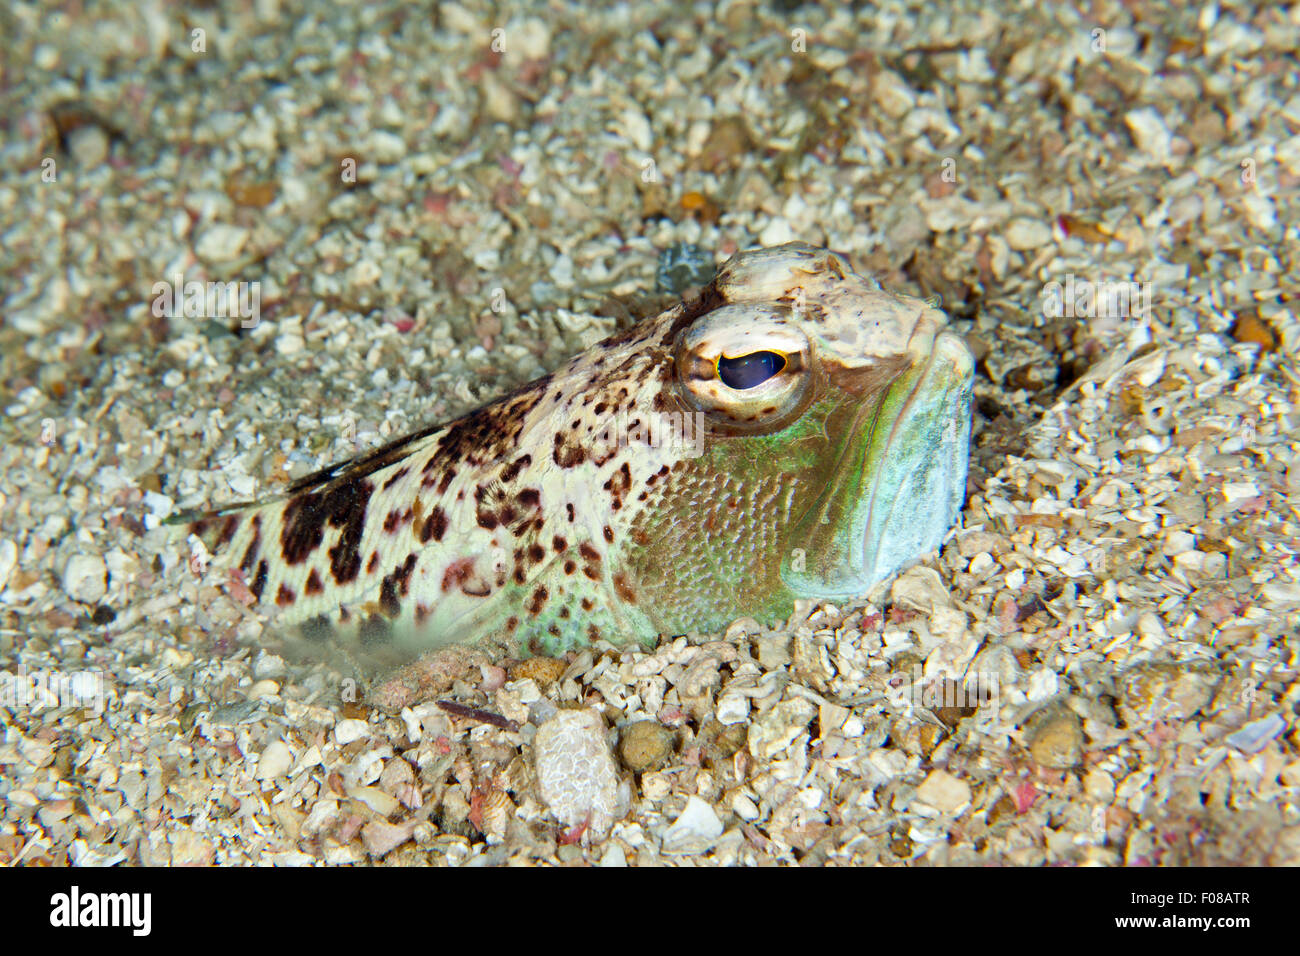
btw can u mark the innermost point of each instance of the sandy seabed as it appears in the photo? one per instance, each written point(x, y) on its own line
point(423, 207)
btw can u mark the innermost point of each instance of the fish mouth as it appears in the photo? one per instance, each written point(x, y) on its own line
point(899, 483)
point(916, 499)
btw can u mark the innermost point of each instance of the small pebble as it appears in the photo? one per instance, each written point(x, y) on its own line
point(544, 670)
point(576, 773)
point(944, 792)
point(1255, 736)
point(267, 665)
point(275, 760)
point(221, 242)
point(697, 829)
point(8, 561)
point(683, 266)
point(381, 837)
point(386, 147)
point(350, 730)
point(614, 855)
point(85, 578)
point(1023, 234)
point(1056, 739)
point(778, 232)
point(645, 745)
point(88, 145)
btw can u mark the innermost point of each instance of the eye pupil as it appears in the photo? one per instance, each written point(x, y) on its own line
point(749, 371)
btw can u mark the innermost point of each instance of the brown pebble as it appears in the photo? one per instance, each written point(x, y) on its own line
point(645, 745)
point(900, 843)
point(1003, 809)
point(1083, 229)
point(354, 710)
point(953, 701)
point(1056, 739)
point(1250, 327)
point(720, 742)
point(728, 140)
point(543, 670)
point(256, 195)
point(701, 207)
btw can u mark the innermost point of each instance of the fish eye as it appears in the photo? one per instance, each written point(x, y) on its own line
point(747, 366)
point(749, 371)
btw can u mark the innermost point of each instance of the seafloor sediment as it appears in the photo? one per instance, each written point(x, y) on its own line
point(437, 204)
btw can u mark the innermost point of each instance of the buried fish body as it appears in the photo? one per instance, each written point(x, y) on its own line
point(792, 431)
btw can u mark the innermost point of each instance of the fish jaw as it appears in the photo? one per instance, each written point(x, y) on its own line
point(899, 484)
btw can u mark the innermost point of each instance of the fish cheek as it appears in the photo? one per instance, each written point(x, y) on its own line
point(706, 547)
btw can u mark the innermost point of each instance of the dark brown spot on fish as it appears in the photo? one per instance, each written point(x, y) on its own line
point(620, 482)
point(227, 530)
point(568, 455)
point(587, 604)
point(570, 566)
point(403, 575)
point(254, 546)
point(512, 470)
point(623, 589)
point(537, 601)
point(341, 505)
point(259, 582)
point(436, 526)
point(457, 573)
point(609, 534)
point(373, 564)
point(559, 544)
point(530, 498)
point(284, 597)
point(395, 477)
point(388, 602)
point(314, 585)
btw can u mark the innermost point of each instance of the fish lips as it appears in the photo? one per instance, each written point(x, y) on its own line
point(899, 484)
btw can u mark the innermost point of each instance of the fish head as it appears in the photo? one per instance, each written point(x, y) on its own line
point(836, 425)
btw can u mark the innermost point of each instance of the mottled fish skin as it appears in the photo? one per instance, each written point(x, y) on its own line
point(559, 514)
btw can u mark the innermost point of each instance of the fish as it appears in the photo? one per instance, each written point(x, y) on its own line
point(790, 430)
